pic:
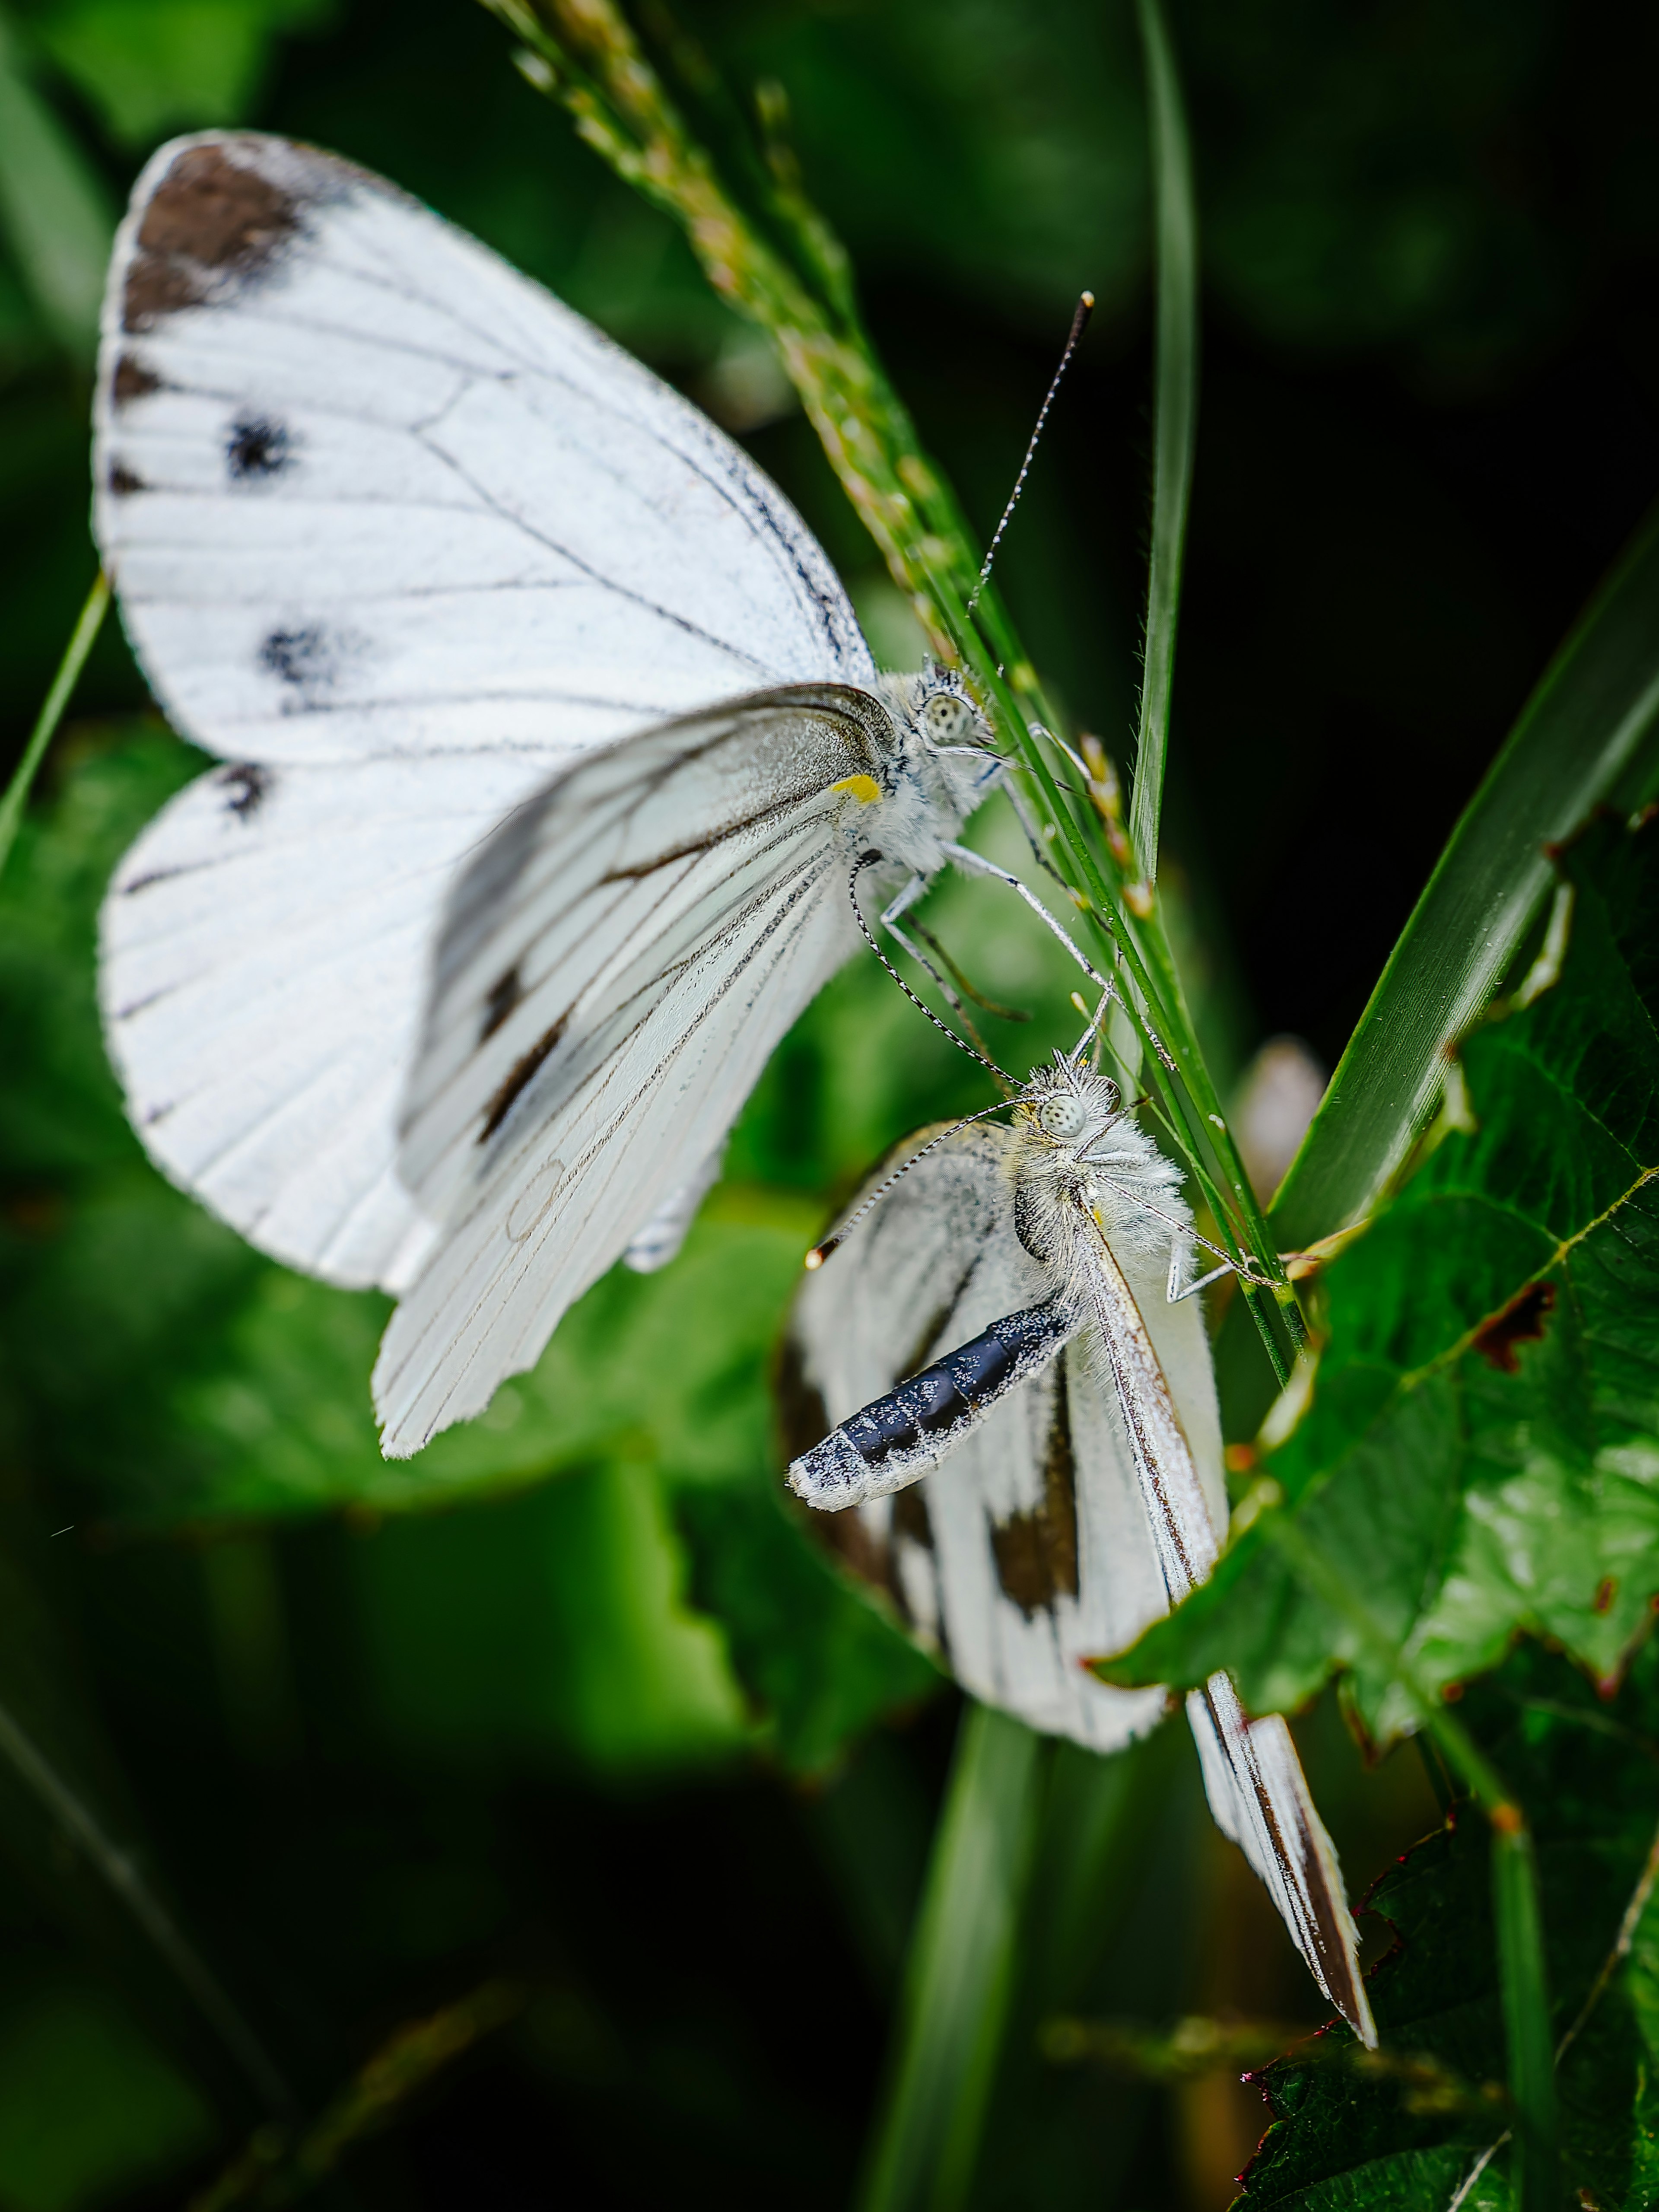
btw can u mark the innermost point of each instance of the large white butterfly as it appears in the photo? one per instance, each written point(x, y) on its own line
point(455, 978)
point(1026, 1454)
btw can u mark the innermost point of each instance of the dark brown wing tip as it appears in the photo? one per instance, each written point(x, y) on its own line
point(219, 215)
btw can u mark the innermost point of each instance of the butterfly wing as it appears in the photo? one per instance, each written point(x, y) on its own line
point(391, 522)
point(365, 490)
point(263, 949)
point(1156, 1385)
point(615, 966)
point(1026, 1546)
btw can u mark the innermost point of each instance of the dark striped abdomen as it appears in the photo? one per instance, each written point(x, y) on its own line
point(898, 1438)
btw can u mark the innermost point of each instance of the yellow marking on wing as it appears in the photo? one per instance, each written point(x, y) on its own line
point(864, 788)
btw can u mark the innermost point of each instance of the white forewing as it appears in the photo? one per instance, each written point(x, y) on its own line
point(1028, 1550)
point(365, 490)
point(615, 968)
point(263, 976)
point(391, 522)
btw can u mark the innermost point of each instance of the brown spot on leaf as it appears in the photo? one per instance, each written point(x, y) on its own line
point(209, 218)
point(1519, 1323)
point(1606, 1590)
point(1036, 1551)
point(132, 380)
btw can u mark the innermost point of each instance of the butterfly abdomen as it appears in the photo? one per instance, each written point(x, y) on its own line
point(895, 1438)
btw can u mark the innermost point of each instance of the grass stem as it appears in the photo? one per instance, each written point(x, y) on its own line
point(15, 796)
point(1175, 421)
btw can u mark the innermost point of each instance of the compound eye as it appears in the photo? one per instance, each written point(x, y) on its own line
point(1063, 1117)
point(946, 716)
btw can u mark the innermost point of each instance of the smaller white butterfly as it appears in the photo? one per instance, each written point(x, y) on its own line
point(455, 979)
point(1044, 1490)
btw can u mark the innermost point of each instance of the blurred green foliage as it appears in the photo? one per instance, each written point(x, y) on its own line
point(600, 1717)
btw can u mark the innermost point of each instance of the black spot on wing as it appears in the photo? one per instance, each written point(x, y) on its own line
point(308, 660)
point(122, 481)
point(248, 785)
point(257, 447)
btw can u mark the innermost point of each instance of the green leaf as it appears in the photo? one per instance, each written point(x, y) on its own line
point(154, 65)
point(562, 1629)
point(89, 2107)
point(1402, 2131)
point(819, 1661)
point(51, 205)
point(1478, 1450)
point(1587, 734)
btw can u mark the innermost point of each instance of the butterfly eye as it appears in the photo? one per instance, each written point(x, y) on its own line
point(946, 717)
point(1063, 1117)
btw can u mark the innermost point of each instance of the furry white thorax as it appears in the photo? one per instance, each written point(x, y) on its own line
point(1076, 1167)
point(942, 766)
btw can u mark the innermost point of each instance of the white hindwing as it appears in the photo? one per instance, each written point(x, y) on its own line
point(263, 974)
point(1028, 1550)
point(614, 969)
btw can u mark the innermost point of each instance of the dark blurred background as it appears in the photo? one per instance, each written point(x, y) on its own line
point(618, 1737)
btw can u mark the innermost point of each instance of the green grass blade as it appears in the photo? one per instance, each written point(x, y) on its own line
point(1518, 1913)
point(1176, 419)
point(15, 796)
point(1589, 731)
point(960, 1973)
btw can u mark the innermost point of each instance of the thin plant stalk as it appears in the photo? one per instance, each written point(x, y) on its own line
point(15, 796)
point(1174, 422)
point(960, 1973)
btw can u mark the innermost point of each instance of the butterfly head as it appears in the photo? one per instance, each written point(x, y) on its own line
point(938, 708)
point(1068, 1105)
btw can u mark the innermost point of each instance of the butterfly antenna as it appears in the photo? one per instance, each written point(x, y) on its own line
point(1093, 1020)
point(820, 1252)
point(865, 860)
point(1079, 324)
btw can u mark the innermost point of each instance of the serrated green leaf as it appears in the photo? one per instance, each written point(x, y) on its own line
point(1480, 1449)
point(1400, 2133)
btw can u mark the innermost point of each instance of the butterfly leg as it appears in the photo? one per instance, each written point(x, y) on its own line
point(890, 921)
point(976, 864)
point(1027, 821)
point(1174, 1291)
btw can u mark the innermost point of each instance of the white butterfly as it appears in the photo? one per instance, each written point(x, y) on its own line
point(1047, 1480)
point(455, 980)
